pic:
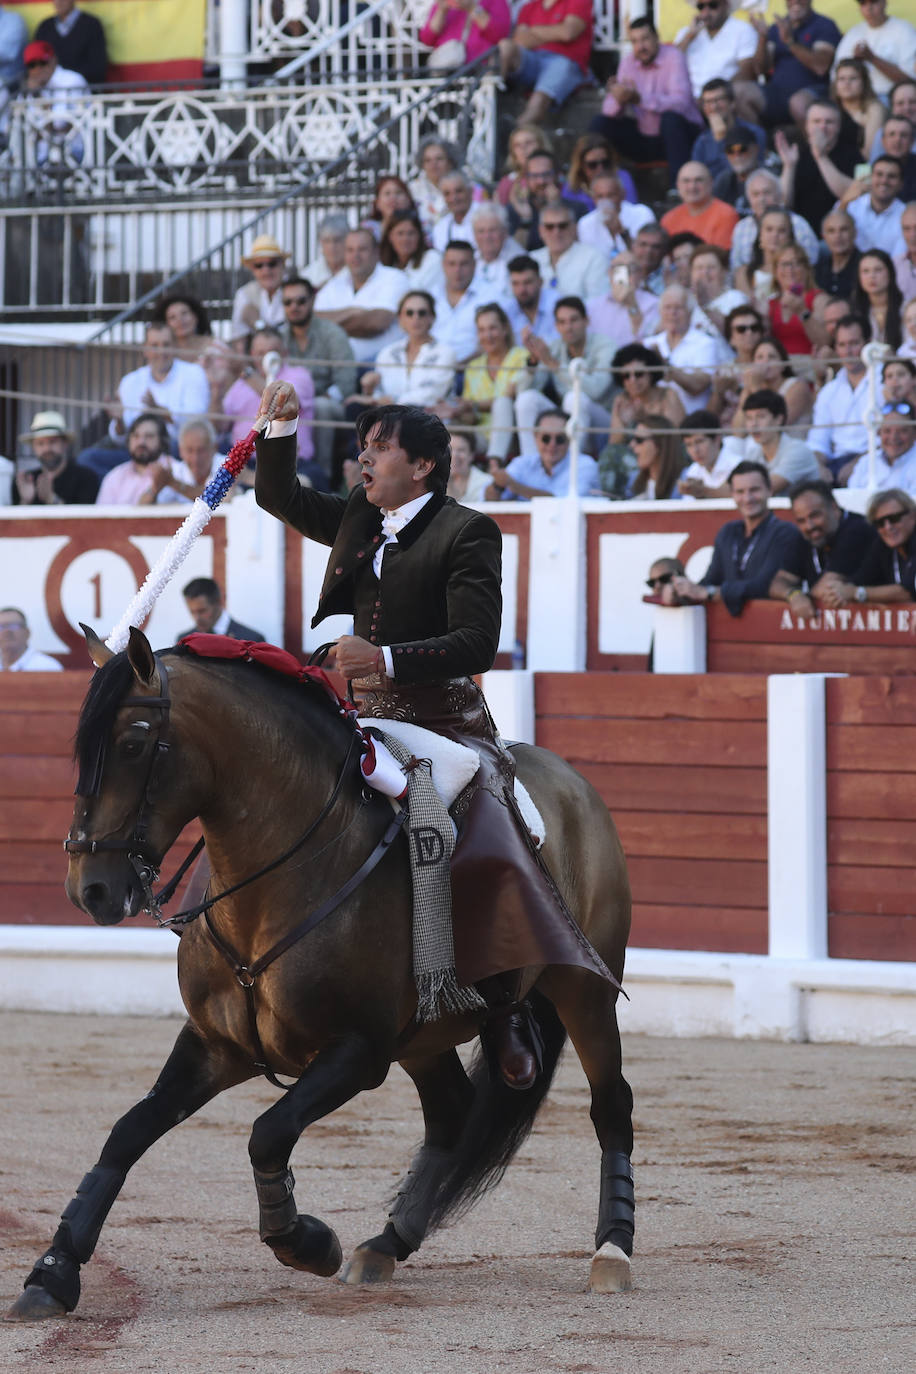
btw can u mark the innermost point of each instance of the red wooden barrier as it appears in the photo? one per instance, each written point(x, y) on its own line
point(767, 638)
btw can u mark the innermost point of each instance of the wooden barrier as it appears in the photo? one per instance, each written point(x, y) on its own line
point(681, 763)
point(767, 638)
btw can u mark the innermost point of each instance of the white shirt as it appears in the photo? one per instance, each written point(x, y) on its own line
point(428, 379)
point(900, 473)
point(59, 102)
point(719, 55)
point(745, 233)
point(580, 271)
point(455, 324)
point(593, 231)
point(428, 276)
point(838, 426)
point(448, 228)
point(399, 517)
point(383, 290)
point(875, 230)
point(33, 661)
point(184, 393)
point(491, 279)
point(894, 40)
point(269, 308)
point(699, 319)
point(713, 477)
point(695, 350)
point(317, 272)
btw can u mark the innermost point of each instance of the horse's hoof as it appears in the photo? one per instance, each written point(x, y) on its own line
point(610, 1270)
point(35, 1304)
point(311, 1247)
point(369, 1266)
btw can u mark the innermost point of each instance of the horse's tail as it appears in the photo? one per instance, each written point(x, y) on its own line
point(498, 1123)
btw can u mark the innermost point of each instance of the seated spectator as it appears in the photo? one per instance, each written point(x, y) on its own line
point(612, 225)
point(861, 110)
point(742, 330)
point(835, 541)
point(548, 53)
point(467, 482)
point(628, 311)
point(818, 169)
point(691, 355)
point(174, 389)
point(719, 45)
point(457, 302)
point(491, 381)
point(56, 479)
point(241, 401)
point(78, 40)
point(836, 310)
point(572, 268)
point(545, 472)
point(552, 374)
point(878, 297)
point(539, 191)
point(895, 462)
point(712, 293)
point(649, 114)
point(905, 262)
point(494, 249)
point(837, 271)
point(391, 196)
point(592, 156)
point(902, 105)
point(899, 134)
point(524, 140)
point(639, 372)
point(710, 466)
point(363, 298)
point(878, 210)
point(796, 304)
point(887, 45)
point(332, 233)
point(908, 347)
point(415, 370)
point(189, 321)
point(458, 194)
point(15, 654)
point(659, 461)
point(743, 160)
point(775, 231)
point(700, 212)
point(763, 192)
point(772, 370)
point(139, 480)
point(459, 31)
point(793, 57)
point(647, 258)
point(838, 435)
point(402, 246)
point(204, 600)
point(259, 302)
point(54, 98)
point(888, 568)
point(679, 258)
point(324, 349)
point(435, 159)
point(724, 128)
point(13, 37)
point(198, 450)
point(898, 384)
point(747, 552)
point(787, 460)
point(531, 303)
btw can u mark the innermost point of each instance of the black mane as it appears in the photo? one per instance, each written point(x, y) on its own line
point(107, 689)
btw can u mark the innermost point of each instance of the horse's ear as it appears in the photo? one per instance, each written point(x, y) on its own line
point(140, 656)
point(98, 652)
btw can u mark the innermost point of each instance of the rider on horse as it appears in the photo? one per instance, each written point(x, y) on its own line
point(421, 576)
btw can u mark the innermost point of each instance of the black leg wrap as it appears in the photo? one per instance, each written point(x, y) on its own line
point(82, 1220)
point(58, 1274)
point(617, 1207)
point(414, 1202)
point(276, 1203)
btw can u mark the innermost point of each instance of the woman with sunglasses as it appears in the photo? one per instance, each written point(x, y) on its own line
point(592, 155)
point(659, 461)
point(404, 247)
point(888, 571)
point(415, 370)
point(878, 297)
point(743, 329)
point(638, 371)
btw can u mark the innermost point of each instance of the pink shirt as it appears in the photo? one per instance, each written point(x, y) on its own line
point(663, 85)
point(125, 484)
point(478, 40)
point(241, 404)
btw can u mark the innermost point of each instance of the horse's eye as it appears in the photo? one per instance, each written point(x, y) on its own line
point(131, 748)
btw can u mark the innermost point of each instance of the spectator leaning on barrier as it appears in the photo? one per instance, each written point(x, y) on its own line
point(54, 97)
point(15, 654)
point(835, 541)
point(747, 553)
point(53, 478)
point(888, 570)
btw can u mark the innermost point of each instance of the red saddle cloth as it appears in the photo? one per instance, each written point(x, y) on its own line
point(270, 655)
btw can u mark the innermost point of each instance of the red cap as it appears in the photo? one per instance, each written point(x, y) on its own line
point(37, 52)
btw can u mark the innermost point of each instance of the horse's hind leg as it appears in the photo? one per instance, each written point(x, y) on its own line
point(446, 1094)
point(586, 1006)
point(192, 1075)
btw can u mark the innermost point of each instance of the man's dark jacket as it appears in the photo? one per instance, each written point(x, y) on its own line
point(438, 605)
point(235, 629)
point(771, 545)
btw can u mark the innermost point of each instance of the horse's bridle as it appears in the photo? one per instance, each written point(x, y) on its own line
point(145, 864)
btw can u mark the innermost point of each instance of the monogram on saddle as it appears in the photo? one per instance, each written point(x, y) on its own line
point(327, 961)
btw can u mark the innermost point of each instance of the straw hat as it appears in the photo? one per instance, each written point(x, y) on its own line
point(264, 246)
point(47, 422)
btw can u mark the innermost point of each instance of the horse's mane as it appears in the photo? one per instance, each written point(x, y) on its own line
point(107, 689)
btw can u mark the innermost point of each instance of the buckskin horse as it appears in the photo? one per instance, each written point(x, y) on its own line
point(270, 770)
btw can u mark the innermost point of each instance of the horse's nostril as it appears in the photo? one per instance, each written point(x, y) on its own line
point(95, 897)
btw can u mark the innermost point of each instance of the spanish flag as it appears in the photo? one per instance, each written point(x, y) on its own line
point(148, 40)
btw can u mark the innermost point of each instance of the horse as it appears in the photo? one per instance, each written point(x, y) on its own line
point(268, 767)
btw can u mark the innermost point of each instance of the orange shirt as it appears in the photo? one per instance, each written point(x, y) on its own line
point(715, 224)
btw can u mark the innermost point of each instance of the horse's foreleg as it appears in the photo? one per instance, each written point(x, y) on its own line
point(446, 1094)
point(587, 1008)
point(192, 1075)
point(336, 1075)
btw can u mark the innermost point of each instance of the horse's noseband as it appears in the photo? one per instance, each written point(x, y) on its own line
point(144, 863)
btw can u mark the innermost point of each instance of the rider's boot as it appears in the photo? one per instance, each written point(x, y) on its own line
point(509, 1034)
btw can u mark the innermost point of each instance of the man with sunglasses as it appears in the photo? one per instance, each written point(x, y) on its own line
point(570, 267)
point(259, 301)
point(649, 113)
point(545, 472)
point(325, 350)
point(54, 99)
point(888, 570)
point(716, 44)
point(836, 541)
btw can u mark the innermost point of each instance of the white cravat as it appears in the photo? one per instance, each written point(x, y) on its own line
point(393, 521)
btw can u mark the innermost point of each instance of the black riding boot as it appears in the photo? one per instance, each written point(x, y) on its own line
point(509, 1034)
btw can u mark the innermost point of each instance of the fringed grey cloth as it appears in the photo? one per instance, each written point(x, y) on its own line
point(432, 839)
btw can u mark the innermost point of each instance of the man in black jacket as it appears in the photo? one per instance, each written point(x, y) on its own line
point(78, 39)
point(204, 601)
point(54, 478)
point(835, 541)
